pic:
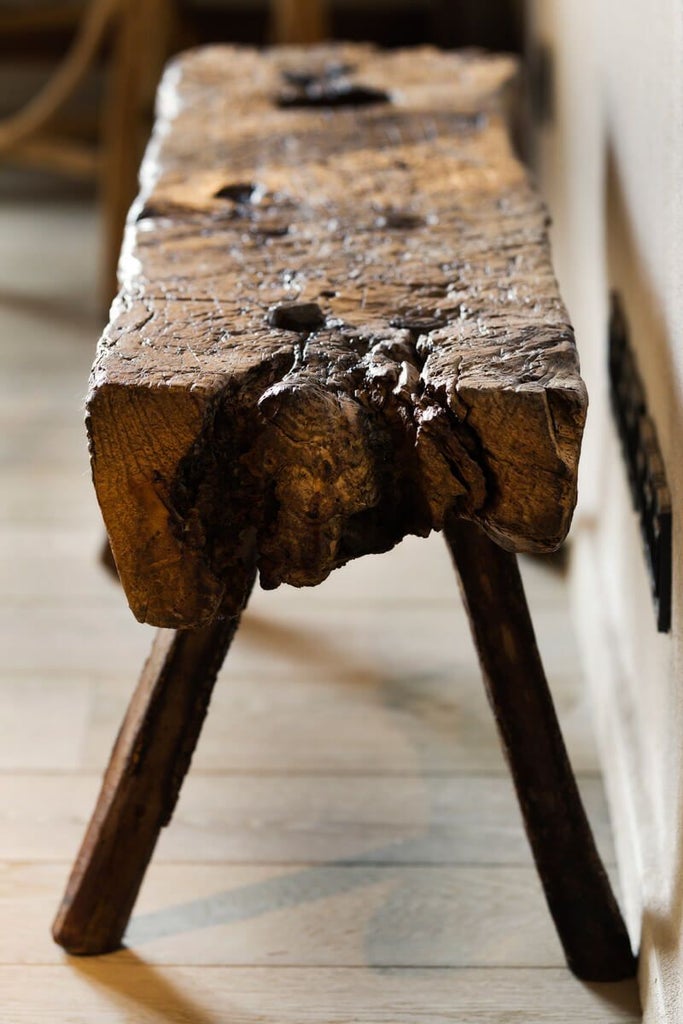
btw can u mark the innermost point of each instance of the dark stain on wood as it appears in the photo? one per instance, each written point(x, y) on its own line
point(238, 192)
point(332, 94)
point(302, 317)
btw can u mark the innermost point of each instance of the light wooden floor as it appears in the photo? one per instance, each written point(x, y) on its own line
point(347, 847)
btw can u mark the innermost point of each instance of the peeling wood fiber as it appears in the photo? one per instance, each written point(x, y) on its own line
point(338, 323)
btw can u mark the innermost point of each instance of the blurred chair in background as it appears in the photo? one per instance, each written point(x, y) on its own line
point(133, 39)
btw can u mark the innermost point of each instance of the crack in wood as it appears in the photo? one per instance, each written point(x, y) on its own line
point(338, 327)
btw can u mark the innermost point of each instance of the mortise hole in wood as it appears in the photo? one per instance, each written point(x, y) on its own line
point(332, 93)
point(238, 192)
point(296, 316)
point(270, 230)
point(400, 220)
point(303, 77)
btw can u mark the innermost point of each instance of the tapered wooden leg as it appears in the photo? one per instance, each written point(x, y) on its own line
point(148, 763)
point(107, 558)
point(576, 886)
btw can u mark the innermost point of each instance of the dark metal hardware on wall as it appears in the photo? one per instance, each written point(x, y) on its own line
point(640, 447)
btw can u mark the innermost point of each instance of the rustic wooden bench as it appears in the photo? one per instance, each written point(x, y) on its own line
point(338, 325)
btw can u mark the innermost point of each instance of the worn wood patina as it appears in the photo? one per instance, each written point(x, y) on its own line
point(339, 322)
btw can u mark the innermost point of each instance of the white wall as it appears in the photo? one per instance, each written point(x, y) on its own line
point(611, 165)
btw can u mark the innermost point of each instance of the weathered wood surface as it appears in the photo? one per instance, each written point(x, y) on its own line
point(339, 322)
point(140, 789)
point(576, 885)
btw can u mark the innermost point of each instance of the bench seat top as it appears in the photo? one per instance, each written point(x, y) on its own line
point(338, 323)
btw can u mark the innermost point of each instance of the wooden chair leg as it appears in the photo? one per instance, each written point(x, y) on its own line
point(106, 558)
point(576, 886)
point(299, 21)
point(148, 763)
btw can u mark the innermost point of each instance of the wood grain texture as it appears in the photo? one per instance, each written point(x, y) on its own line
point(106, 992)
point(149, 761)
point(384, 916)
point(338, 323)
point(576, 885)
point(275, 819)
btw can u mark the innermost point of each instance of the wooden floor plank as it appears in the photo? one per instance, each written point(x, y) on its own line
point(369, 723)
point(321, 915)
point(278, 640)
point(41, 435)
point(418, 571)
point(43, 725)
point(98, 992)
point(33, 557)
point(273, 819)
point(47, 495)
point(358, 717)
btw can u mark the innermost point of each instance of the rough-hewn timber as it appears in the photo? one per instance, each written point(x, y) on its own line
point(338, 323)
point(140, 788)
point(576, 885)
